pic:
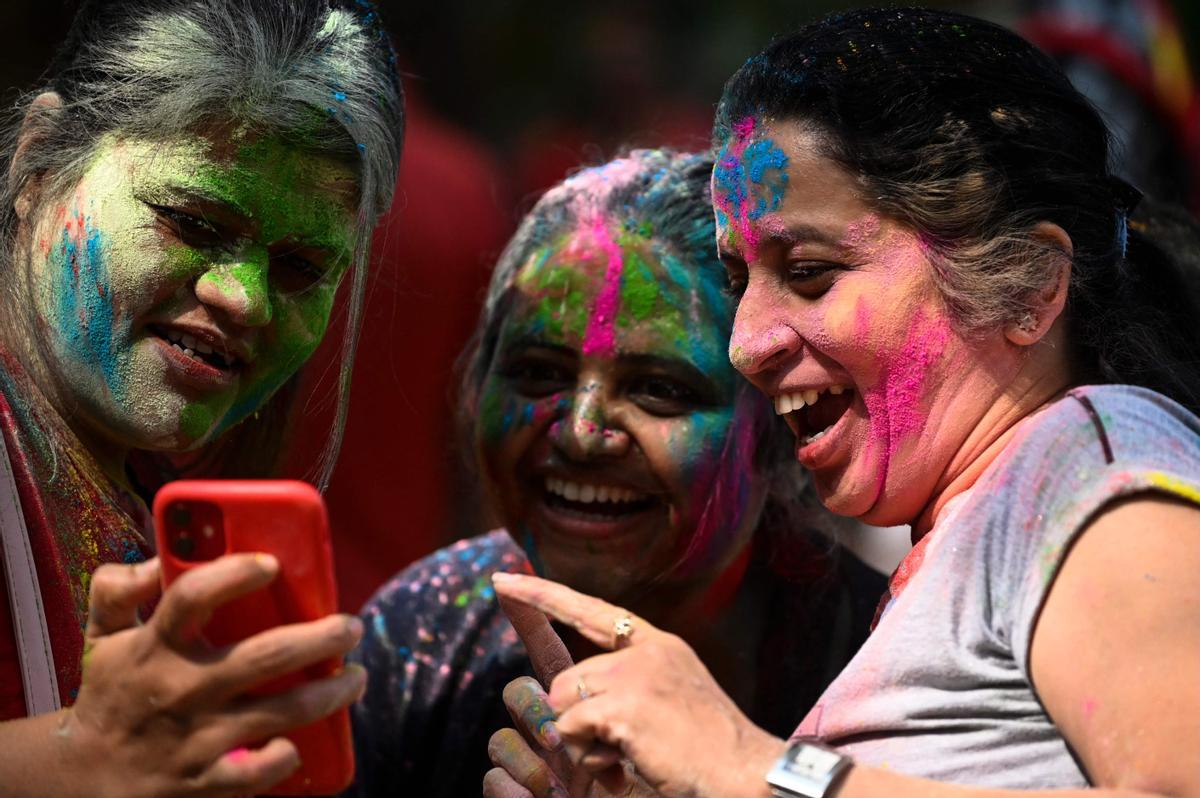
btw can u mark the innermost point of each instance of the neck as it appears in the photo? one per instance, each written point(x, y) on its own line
point(1037, 385)
point(95, 451)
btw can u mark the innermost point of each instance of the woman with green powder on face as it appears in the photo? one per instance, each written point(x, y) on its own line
point(624, 456)
point(180, 204)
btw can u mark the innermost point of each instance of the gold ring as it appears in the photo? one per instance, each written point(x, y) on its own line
point(622, 632)
point(581, 688)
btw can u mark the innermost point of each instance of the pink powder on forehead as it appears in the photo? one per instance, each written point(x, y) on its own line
point(599, 339)
point(862, 233)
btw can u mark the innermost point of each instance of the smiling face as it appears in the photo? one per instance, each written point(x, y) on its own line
point(841, 324)
point(613, 433)
point(182, 282)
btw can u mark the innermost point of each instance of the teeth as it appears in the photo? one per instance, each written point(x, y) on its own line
point(193, 347)
point(589, 493)
point(788, 402)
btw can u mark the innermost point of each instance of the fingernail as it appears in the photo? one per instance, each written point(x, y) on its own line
point(358, 673)
point(267, 562)
point(503, 576)
point(551, 739)
point(354, 626)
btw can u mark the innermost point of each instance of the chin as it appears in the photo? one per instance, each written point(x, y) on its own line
point(591, 575)
point(849, 493)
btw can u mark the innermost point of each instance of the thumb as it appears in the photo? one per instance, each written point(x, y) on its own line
point(546, 649)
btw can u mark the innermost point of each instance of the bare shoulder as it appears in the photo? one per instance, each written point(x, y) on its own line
point(1116, 648)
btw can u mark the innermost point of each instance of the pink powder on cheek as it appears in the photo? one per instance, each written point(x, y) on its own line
point(599, 337)
point(904, 382)
point(897, 402)
point(724, 499)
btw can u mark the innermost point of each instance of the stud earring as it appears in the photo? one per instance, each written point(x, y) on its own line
point(1027, 323)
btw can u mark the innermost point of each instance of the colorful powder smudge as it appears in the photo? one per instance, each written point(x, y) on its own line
point(599, 338)
point(895, 401)
point(749, 181)
point(725, 497)
point(84, 312)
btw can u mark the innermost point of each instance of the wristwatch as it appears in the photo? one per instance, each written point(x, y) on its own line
point(807, 770)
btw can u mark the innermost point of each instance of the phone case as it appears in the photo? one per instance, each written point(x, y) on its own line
point(199, 520)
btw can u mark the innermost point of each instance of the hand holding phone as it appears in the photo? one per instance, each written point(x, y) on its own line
point(197, 522)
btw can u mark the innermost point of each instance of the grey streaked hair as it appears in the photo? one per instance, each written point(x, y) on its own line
point(319, 73)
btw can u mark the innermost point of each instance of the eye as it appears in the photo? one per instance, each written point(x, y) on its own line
point(661, 395)
point(195, 231)
point(536, 377)
point(735, 276)
point(294, 271)
point(811, 279)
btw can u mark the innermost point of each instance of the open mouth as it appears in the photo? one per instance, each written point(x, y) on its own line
point(197, 349)
point(595, 502)
point(812, 413)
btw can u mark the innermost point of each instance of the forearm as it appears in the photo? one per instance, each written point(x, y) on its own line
point(36, 760)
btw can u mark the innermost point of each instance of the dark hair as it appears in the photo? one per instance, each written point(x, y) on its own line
point(970, 135)
point(319, 73)
point(667, 193)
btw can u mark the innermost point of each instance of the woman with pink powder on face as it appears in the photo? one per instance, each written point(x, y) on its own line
point(944, 293)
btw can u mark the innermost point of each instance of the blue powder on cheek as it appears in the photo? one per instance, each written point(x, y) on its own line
point(85, 311)
point(530, 546)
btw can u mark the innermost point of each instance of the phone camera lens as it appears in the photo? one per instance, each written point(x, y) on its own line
point(183, 545)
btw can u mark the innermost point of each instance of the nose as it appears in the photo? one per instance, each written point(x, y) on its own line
point(239, 287)
point(585, 431)
point(762, 338)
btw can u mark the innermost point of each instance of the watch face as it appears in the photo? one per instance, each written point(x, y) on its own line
point(806, 771)
point(808, 760)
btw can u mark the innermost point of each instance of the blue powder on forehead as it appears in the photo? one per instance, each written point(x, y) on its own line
point(760, 157)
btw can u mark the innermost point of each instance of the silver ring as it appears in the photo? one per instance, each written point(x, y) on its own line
point(581, 688)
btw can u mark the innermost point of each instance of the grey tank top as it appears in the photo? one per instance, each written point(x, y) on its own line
point(942, 687)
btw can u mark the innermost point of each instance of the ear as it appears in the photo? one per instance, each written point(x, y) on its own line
point(1047, 303)
point(38, 119)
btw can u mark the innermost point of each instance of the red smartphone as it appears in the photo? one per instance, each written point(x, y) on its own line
point(200, 520)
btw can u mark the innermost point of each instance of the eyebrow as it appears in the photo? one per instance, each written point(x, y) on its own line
point(790, 235)
point(227, 212)
point(637, 359)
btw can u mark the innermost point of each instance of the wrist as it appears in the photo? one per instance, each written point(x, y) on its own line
point(755, 758)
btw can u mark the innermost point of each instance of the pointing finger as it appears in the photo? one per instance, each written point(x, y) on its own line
point(595, 619)
point(547, 652)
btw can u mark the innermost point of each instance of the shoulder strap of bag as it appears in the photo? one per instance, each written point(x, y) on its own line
point(25, 598)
